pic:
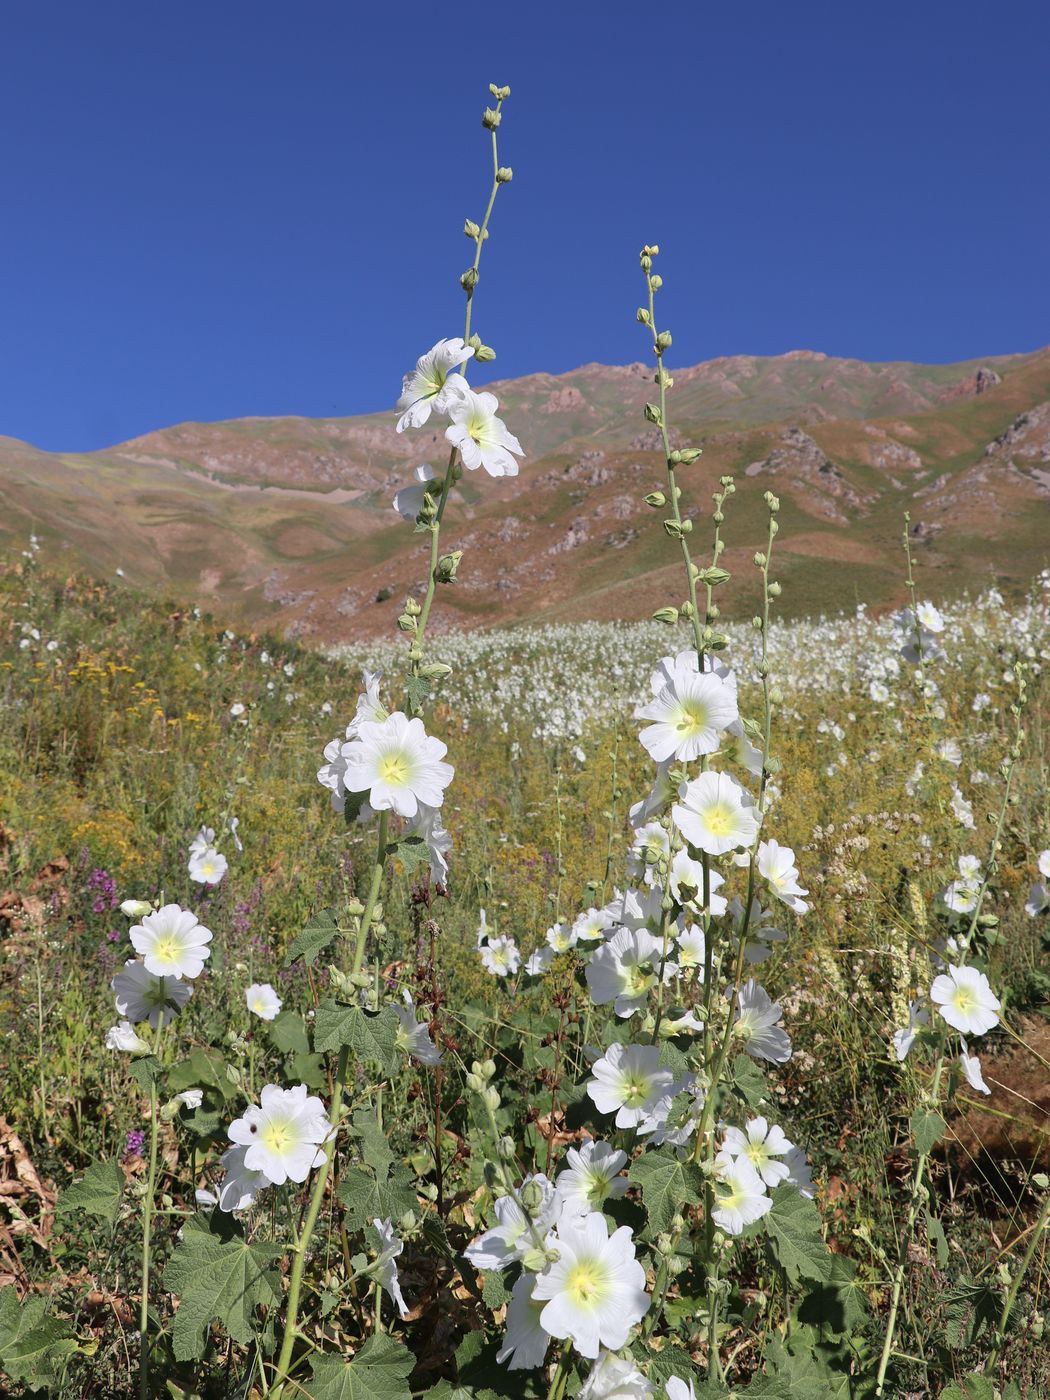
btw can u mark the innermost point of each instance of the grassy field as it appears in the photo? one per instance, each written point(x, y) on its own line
point(117, 743)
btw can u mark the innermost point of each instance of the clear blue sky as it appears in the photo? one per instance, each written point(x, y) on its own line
point(226, 208)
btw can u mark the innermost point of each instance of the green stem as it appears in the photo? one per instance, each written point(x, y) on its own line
point(1011, 1297)
point(147, 1226)
point(373, 893)
point(561, 1375)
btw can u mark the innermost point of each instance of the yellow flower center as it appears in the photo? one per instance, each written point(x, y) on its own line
point(719, 819)
point(635, 1090)
point(586, 1283)
point(167, 949)
point(963, 1000)
point(393, 769)
point(277, 1136)
point(691, 717)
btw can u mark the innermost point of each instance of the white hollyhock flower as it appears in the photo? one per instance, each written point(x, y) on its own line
point(525, 1342)
point(1043, 863)
point(332, 774)
point(207, 867)
point(965, 1000)
point(263, 1001)
point(413, 1037)
point(687, 884)
point(629, 1081)
point(190, 1098)
point(430, 828)
point(205, 837)
point(561, 937)
point(481, 437)
point(929, 617)
point(171, 942)
point(540, 961)
point(740, 1196)
point(677, 1389)
point(971, 1067)
point(592, 1177)
point(651, 844)
point(621, 970)
point(692, 949)
point(140, 996)
point(409, 500)
point(500, 956)
point(1038, 901)
point(738, 748)
point(659, 799)
point(433, 386)
point(905, 1036)
point(762, 1144)
point(756, 1024)
point(614, 1378)
point(962, 810)
point(961, 896)
point(776, 865)
point(518, 1229)
point(239, 1186)
point(690, 710)
point(591, 925)
point(390, 1247)
point(716, 814)
point(124, 1037)
point(483, 929)
point(760, 930)
point(595, 1289)
point(799, 1174)
point(283, 1134)
point(398, 764)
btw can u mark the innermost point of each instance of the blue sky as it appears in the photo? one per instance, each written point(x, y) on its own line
point(226, 208)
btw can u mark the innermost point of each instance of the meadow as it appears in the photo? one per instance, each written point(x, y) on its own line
point(674, 1024)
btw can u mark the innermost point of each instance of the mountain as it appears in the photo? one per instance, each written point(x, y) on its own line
point(289, 520)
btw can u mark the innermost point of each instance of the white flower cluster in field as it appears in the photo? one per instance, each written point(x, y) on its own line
point(534, 675)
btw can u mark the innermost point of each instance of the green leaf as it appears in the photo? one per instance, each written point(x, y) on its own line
point(369, 1035)
point(970, 1307)
point(32, 1344)
point(671, 1361)
point(98, 1192)
point(667, 1185)
point(375, 1149)
point(793, 1227)
point(927, 1128)
point(287, 1033)
point(202, 1069)
point(379, 1371)
point(971, 1387)
point(412, 852)
point(145, 1070)
point(417, 688)
point(840, 1304)
point(367, 1196)
point(749, 1081)
point(319, 933)
point(935, 1231)
point(222, 1280)
point(494, 1290)
point(479, 1369)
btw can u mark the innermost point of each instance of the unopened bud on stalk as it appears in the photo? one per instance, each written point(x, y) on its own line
point(412, 607)
point(435, 671)
point(406, 622)
point(471, 229)
point(714, 575)
point(689, 455)
point(504, 175)
point(656, 281)
point(136, 908)
point(656, 499)
point(663, 340)
point(674, 529)
point(484, 354)
point(687, 609)
point(469, 279)
point(490, 119)
point(775, 589)
point(652, 413)
point(490, 1096)
point(445, 569)
point(760, 560)
point(642, 315)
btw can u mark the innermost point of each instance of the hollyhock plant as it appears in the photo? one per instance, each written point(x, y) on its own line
point(283, 1135)
point(409, 500)
point(592, 1177)
point(481, 437)
point(207, 867)
point(595, 1289)
point(621, 970)
point(390, 1249)
point(629, 1081)
point(413, 1037)
point(398, 764)
point(519, 1228)
point(501, 957)
point(756, 1024)
point(433, 386)
point(763, 1145)
point(239, 1186)
point(716, 814)
point(740, 1194)
point(263, 1001)
point(965, 1000)
point(690, 711)
point(171, 942)
point(776, 865)
point(141, 996)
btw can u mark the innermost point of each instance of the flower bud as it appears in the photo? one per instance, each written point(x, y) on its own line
point(445, 570)
point(535, 1260)
point(775, 589)
point(674, 529)
point(642, 315)
point(663, 340)
point(471, 229)
point(490, 119)
point(532, 1196)
point(435, 671)
point(667, 615)
point(656, 282)
point(412, 607)
point(407, 622)
point(136, 908)
point(469, 279)
point(689, 455)
point(490, 1096)
point(652, 413)
point(760, 560)
point(714, 575)
point(656, 498)
point(504, 175)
